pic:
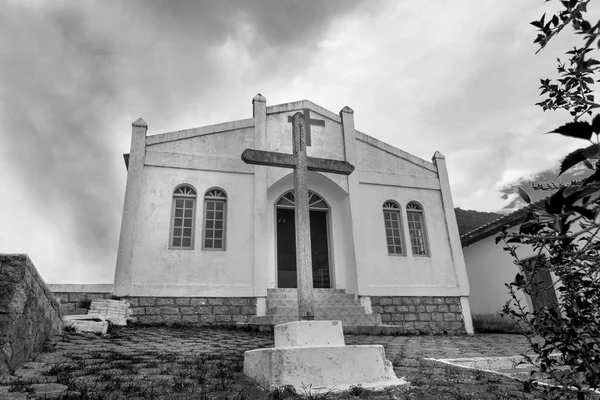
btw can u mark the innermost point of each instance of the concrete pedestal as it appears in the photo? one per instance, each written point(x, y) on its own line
point(313, 354)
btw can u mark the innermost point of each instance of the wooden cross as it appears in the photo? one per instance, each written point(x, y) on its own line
point(308, 121)
point(301, 163)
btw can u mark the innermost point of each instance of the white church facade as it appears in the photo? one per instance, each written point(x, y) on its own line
point(202, 228)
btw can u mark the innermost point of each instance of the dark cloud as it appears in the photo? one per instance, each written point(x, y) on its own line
point(72, 71)
point(57, 79)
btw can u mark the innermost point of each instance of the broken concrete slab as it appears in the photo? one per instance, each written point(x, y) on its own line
point(96, 325)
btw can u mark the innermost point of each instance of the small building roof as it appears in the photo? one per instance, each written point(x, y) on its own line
point(491, 228)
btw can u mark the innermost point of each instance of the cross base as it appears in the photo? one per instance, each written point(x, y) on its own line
point(313, 353)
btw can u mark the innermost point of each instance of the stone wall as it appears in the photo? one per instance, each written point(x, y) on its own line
point(202, 310)
point(158, 310)
point(424, 315)
point(29, 313)
point(69, 301)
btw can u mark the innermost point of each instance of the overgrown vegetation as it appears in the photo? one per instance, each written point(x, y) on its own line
point(564, 332)
point(493, 323)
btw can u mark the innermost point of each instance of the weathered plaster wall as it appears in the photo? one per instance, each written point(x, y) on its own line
point(29, 313)
point(223, 144)
point(160, 271)
point(489, 268)
point(371, 158)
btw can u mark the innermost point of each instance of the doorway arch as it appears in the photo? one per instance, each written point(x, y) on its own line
point(286, 270)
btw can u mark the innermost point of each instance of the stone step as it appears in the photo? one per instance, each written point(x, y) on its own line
point(349, 320)
point(295, 291)
point(294, 296)
point(336, 310)
point(317, 302)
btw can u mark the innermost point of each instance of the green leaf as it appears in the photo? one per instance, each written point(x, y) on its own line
point(576, 157)
point(596, 124)
point(554, 204)
point(577, 129)
point(524, 195)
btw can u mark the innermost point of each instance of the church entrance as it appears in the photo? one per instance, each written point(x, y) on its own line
point(286, 241)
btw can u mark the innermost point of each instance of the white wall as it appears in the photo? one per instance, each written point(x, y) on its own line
point(160, 271)
point(327, 142)
point(391, 275)
point(489, 268)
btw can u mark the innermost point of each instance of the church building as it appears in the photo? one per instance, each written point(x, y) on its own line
point(200, 227)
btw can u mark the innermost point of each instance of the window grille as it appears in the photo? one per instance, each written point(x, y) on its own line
point(215, 210)
point(393, 230)
point(182, 223)
point(416, 229)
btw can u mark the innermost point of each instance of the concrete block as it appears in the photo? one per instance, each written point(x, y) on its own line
point(83, 325)
point(169, 310)
point(385, 301)
point(198, 301)
point(147, 301)
point(309, 333)
point(234, 301)
point(190, 318)
point(449, 317)
point(323, 367)
point(171, 319)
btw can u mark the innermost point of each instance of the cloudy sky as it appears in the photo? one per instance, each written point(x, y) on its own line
point(456, 76)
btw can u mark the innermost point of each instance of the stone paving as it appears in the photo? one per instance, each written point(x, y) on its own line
point(157, 354)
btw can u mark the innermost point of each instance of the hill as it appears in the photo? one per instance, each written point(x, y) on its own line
point(471, 219)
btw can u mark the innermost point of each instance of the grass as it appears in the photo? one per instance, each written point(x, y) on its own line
point(218, 375)
point(494, 323)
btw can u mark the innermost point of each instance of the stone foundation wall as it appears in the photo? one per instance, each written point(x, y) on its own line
point(192, 310)
point(29, 313)
point(424, 315)
point(187, 310)
point(69, 301)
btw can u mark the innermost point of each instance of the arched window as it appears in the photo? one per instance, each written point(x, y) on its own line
point(215, 210)
point(182, 222)
point(315, 202)
point(416, 229)
point(393, 230)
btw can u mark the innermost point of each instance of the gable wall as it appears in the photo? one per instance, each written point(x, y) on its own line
point(221, 144)
point(373, 159)
point(160, 271)
point(327, 142)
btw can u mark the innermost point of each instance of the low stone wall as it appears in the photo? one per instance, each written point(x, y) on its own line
point(169, 310)
point(194, 310)
point(29, 313)
point(69, 301)
point(424, 315)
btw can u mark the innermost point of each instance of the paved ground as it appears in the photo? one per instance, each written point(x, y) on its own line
point(153, 353)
